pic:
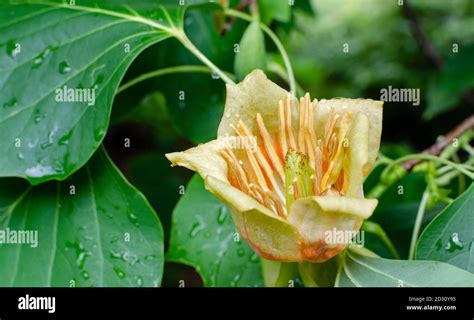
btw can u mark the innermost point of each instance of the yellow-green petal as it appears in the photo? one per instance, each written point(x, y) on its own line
point(255, 94)
point(315, 216)
point(269, 235)
point(204, 159)
point(357, 159)
point(372, 109)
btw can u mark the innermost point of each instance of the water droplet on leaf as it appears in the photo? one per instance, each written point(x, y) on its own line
point(139, 281)
point(119, 272)
point(454, 243)
point(10, 103)
point(64, 140)
point(38, 61)
point(254, 258)
point(195, 229)
point(64, 67)
point(85, 275)
point(133, 218)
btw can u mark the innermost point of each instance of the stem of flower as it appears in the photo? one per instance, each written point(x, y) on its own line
point(419, 219)
point(278, 274)
point(375, 228)
point(166, 71)
point(186, 42)
point(422, 156)
point(276, 41)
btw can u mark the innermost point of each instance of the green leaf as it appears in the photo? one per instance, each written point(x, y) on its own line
point(362, 271)
point(195, 104)
point(94, 229)
point(151, 173)
point(195, 100)
point(270, 10)
point(446, 90)
point(251, 53)
point(51, 45)
point(450, 236)
point(203, 236)
point(396, 212)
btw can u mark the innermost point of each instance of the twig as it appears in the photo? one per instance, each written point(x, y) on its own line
point(438, 147)
point(230, 21)
point(428, 50)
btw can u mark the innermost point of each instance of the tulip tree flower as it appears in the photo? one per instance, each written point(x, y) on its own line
point(302, 178)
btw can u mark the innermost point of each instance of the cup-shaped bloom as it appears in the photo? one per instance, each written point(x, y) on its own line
point(290, 169)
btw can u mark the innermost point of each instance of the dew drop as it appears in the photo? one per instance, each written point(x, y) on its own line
point(222, 215)
point(98, 81)
point(64, 140)
point(454, 243)
point(115, 255)
point(12, 49)
point(39, 60)
point(139, 281)
point(149, 257)
point(85, 275)
point(49, 142)
point(81, 253)
point(236, 279)
point(119, 272)
point(99, 134)
point(64, 67)
point(195, 229)
point(58, 167)
point(240, 252)
point(10, 103)
point(20, 156)
point(130, 258)
point(133, 218)
point(254, 258)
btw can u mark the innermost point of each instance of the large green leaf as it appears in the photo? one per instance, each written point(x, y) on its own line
point(103, 234)
point(450, 236)
point(52, 45)
point(203, 236)
point(362, 271)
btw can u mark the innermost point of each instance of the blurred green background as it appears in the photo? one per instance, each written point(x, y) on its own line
point(383, 51)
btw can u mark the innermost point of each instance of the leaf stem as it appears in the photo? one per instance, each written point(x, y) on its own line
point(279, 71)
point(276, 41)
point(419, 219)
point(166, 71)
point(187, 43)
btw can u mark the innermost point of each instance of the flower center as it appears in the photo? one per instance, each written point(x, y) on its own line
point(294, 163)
